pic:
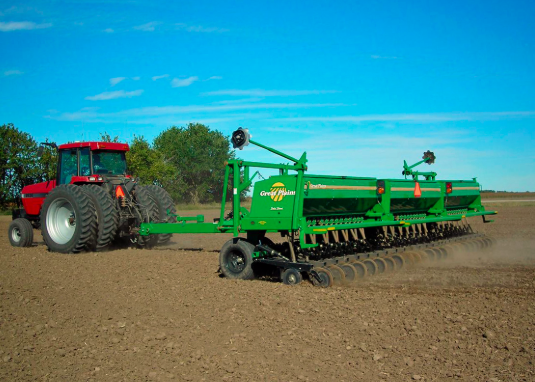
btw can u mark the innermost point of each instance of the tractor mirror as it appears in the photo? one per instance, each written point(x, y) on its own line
point(240, 138)
point(40, 151)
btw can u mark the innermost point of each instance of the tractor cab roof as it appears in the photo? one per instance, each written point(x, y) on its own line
point(111, 146)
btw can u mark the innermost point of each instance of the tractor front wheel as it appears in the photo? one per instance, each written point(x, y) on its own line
point(20, 233)
point(68, 219)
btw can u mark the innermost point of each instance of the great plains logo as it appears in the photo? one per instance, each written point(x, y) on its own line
point(312, 186)
point(278, 192)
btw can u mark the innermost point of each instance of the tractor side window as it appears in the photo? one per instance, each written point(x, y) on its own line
point(85, 165)
point(68, 166)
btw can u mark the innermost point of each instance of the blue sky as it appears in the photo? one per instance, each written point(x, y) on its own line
point(359, 85)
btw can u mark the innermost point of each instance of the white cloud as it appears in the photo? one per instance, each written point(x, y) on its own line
point(420, 118)
point(178, 83)
point(157, 111)
point(148, 27)
point(267, 93)
point(214, 78)
point(116, 94)
point(377, 57)
point(13, 73)
point(200, 28)
point(108, 30)
point(20, 10)
point(10, 26)
point(116, 80)
point(137, 78)
point(155, 78)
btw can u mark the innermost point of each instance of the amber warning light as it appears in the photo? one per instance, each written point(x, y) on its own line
point(119, 193)
point(449, 188)
point(380, 187)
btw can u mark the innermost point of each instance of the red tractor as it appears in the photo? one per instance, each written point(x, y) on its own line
point(91, 203)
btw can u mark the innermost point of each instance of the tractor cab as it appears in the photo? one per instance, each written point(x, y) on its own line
point(85, 162)
point(78, 163)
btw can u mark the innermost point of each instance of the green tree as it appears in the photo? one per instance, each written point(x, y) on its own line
point(18, 164)
point(147, 164)
point(198, 156)
point(48, 162)
point(105, 137)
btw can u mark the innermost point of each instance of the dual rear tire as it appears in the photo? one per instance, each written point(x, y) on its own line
point(68, 219)
point(164, 204)
point(76, 218)
point(107, 217)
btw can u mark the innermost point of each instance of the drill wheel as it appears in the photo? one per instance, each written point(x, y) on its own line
point(409, 259)
point(350, 272)
point(382, 266)
point(416, 257)
point(339, 276)
point(399, 261)
point(390, 263)
point(371, 267)
point(423, 255)
point(291, 276)
point(360, 267)
point(325, 276)
point(431, 255)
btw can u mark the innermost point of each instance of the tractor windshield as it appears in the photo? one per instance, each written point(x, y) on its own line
point(109, 162)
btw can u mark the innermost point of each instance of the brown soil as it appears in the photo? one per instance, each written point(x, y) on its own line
point(166, 315)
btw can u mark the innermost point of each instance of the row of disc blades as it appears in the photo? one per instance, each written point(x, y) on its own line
point(353, 270)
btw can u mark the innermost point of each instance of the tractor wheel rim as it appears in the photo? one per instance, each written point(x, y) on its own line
point(61, 221)
point(15, 234)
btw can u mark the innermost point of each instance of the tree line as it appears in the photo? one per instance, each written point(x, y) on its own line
point(188, 161)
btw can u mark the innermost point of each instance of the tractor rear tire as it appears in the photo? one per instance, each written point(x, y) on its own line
point(164, 203)
point(236, 259)
point(68, 222)
point(148, 210)
point(106, 215)
point(20, 233)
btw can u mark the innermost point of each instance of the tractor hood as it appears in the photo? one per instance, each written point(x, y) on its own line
point(34, 195)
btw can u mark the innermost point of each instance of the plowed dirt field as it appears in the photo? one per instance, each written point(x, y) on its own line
point(166, 315)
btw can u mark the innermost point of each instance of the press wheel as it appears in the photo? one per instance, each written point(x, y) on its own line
point(325, 276)
point(391, 264)
point(371, 267)
point(339, 276)
point(349, 271)
point(360, 267)
point(382, 266)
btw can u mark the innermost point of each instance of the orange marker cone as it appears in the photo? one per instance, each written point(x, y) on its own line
point(417, 190)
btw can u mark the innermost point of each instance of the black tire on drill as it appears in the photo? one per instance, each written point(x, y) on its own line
point(236, 259)
point(20, 233)
point(148, 210)
point(106, 215)
point(68, 222)
point(164, 203)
